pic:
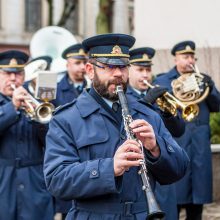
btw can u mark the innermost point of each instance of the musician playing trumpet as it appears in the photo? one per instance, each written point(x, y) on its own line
point(89, 157)
point(195, 189)
point(22, 188)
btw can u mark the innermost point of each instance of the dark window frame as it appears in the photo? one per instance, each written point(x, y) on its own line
point(33, 15)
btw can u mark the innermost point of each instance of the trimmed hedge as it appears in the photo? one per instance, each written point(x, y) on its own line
point(215, 127)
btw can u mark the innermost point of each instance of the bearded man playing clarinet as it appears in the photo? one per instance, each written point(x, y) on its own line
point(89, 157)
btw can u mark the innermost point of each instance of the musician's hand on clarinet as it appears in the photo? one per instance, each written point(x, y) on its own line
point(18, 97)
point(127, 155)
point(145, 133)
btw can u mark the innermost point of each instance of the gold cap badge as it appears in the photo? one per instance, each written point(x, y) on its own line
point(13, 62)
point(188, 48)
point(81, 52)
point(145, 56)
point(116, 50)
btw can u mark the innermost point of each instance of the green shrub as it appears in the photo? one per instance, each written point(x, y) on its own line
point(215, 128)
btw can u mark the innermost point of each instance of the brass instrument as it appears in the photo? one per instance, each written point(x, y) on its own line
point(189, 88)
point(169, 103)
point(52, 41)
point(153, 207)
point(40, 112)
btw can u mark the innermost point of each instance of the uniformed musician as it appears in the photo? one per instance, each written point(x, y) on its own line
point(23, 192)
point(88, 158)
point(195, 189)
point(74, 81)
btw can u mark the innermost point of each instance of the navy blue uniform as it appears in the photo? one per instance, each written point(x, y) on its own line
point(196, 186)
point(66, 91)
point(81, 144)
point(23, 192)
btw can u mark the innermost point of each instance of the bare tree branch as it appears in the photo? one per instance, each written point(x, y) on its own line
point(69, 7)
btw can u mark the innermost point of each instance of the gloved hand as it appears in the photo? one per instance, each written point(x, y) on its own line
point(154, 93)
point(208, 81)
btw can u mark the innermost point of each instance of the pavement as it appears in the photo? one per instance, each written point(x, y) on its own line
point(210, 212)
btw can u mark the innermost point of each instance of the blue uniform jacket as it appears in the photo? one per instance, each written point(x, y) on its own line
point(81, 143)
point(196, 186)
point(22, 188)
point(166, 194)
point(66, 92)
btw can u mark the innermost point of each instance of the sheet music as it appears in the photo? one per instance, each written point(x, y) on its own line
point(46, 85)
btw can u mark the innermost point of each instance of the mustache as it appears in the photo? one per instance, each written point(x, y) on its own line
point(116, 82)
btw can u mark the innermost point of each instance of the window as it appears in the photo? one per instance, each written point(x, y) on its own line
point(72, 16)
point(32, 15)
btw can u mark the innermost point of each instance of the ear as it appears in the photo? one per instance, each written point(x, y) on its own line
point(90, 70)
point(175, 59)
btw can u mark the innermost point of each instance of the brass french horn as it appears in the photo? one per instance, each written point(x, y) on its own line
point(170, 104)
point(189, 88)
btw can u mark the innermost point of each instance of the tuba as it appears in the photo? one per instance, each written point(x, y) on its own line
point(52, 41)
point(169, 103)
point(189, 87)
point(40, 112)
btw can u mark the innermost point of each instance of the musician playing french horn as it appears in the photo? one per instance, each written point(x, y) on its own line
point(90, 159)
point(139, 72)
point(195, 189)
point(22, 188)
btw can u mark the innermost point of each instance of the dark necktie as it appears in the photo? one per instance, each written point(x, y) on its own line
point(116, 107)
point(142, 95)
point(79, 89)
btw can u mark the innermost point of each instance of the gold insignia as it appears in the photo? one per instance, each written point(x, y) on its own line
point(13, 62)
point(188, 48)
point(116, 50)
point(81, 52)
point(145, 56)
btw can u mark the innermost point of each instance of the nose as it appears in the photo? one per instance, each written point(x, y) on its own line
point(117, 72)
point(12, 76)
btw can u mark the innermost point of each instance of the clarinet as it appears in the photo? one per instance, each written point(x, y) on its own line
point(154, 211)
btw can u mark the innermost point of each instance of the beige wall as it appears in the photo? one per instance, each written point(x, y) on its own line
point(161, 24)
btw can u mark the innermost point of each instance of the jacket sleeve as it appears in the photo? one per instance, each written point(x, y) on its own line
point(173, 160)
point(8, 116)
point(67, 176)
point(213, 100)
point(174, 124)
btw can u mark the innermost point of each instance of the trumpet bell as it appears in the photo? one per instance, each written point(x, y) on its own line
point(190, 112)
point(44, 112)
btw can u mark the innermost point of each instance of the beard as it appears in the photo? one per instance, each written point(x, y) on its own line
point(102, 87)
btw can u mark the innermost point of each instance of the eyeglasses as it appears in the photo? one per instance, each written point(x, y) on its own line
point(111, 68)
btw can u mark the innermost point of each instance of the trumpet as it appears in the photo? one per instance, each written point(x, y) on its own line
point(169, 103)
point(40, 112)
